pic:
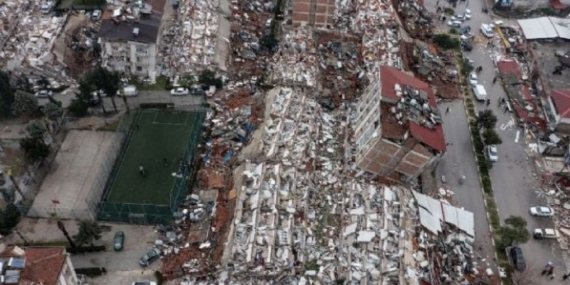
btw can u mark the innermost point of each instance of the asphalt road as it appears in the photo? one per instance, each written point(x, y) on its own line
point(514, 177)
point(145, 96)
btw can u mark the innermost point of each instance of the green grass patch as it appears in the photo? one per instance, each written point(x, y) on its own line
point(157, 135)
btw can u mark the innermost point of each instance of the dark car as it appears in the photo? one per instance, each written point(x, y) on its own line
point(119, 240)
point(150, 257)
point(517, 258)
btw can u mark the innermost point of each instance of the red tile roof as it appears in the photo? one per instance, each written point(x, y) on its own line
point(561, 99)
point(432, 137)
point(509, 66)
point(43, 264)
point(557, 4)
point(391, 76)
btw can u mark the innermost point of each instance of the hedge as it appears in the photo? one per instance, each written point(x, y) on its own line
point(91, 271)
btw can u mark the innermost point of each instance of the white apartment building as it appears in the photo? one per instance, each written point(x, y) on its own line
point(129, 40)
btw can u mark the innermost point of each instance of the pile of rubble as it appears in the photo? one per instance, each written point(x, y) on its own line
point(27, 39)
point(295, 64)
point(190, 39)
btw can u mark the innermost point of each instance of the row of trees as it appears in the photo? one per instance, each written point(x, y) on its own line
point(487, 121)
point(92, 87)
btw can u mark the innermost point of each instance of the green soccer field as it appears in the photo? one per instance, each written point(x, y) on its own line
point(157, 135)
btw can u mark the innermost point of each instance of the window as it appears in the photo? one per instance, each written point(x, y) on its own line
point(142, 50)
point(139, 68)
point(138, 59)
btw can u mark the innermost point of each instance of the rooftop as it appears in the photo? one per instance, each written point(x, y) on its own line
point(547, 62)
point(139, 22)
point(561, 100)
point(509, 66)
point(32, 264)
point(408, 104)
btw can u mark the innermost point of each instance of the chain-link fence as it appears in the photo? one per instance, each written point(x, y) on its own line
point(145, 213)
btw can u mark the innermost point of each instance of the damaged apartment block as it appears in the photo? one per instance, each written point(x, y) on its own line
point(129, 38)
point(397, 127)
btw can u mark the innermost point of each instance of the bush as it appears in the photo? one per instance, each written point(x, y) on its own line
point(86, 249)
point(453, 31)
point(159, 277)
point(445, 41)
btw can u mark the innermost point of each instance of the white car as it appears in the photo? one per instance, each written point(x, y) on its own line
point(179, 91)
point(96, 15)
point(43, 94)
point(454, 24)
point(539, 211)
point(467, 14)
point(487, 30)
point(473, 79)
point(491, 152)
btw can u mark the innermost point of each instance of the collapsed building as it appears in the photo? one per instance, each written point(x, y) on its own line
point(397, 127)
point(27, 40)
point(129, 38)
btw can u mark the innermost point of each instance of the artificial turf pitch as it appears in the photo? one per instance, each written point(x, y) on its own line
point(157, 134)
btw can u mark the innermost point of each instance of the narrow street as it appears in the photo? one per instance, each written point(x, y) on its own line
point(514, 177)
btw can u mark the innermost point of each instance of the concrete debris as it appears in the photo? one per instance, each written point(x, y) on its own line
point(29, 41)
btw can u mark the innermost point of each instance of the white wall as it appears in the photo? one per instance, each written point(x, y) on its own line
point(67, 275)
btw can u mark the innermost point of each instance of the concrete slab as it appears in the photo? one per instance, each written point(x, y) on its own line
point(72, 175)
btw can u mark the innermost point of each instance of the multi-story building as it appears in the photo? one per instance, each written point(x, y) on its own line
point(397, 128)
point(37, 265)
point(129, 38)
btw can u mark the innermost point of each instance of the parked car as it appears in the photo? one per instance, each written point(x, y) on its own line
point(466, 45)
point(491, 152)
point(464, 30)
point(545, 234)
point(150, 257)
point(130, 91)
point(487, 30)
point(179, 91)
point(467, 36)
point(473, 79)
point(467, 14)
point(119, 240)
point(458, 17)
point(96, 15)
point(517, 258)
point(540, 211)
point(454, 24)
point(43, 93)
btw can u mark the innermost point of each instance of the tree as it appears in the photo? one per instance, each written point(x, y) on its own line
point(6, 95)
point(89, 231)
point(53, 111)
point(104, 80)
point(513, 232)
point(25, 104)
point(36, 129)
point(487, 119)
point(445, 41)
point(78, 107)
point(61, 227)
point(490, 136)
point(10, 218)
point(208, 77)
point(34, 148)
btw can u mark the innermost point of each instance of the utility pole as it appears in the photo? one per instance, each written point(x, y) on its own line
point(21, 236)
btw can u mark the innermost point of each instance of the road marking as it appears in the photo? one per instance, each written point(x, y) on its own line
point(509, 124)
point(517, 137)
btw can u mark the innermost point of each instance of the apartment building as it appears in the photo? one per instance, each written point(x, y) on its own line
point(129, 38)
point(37, 265)
point(397, 129)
